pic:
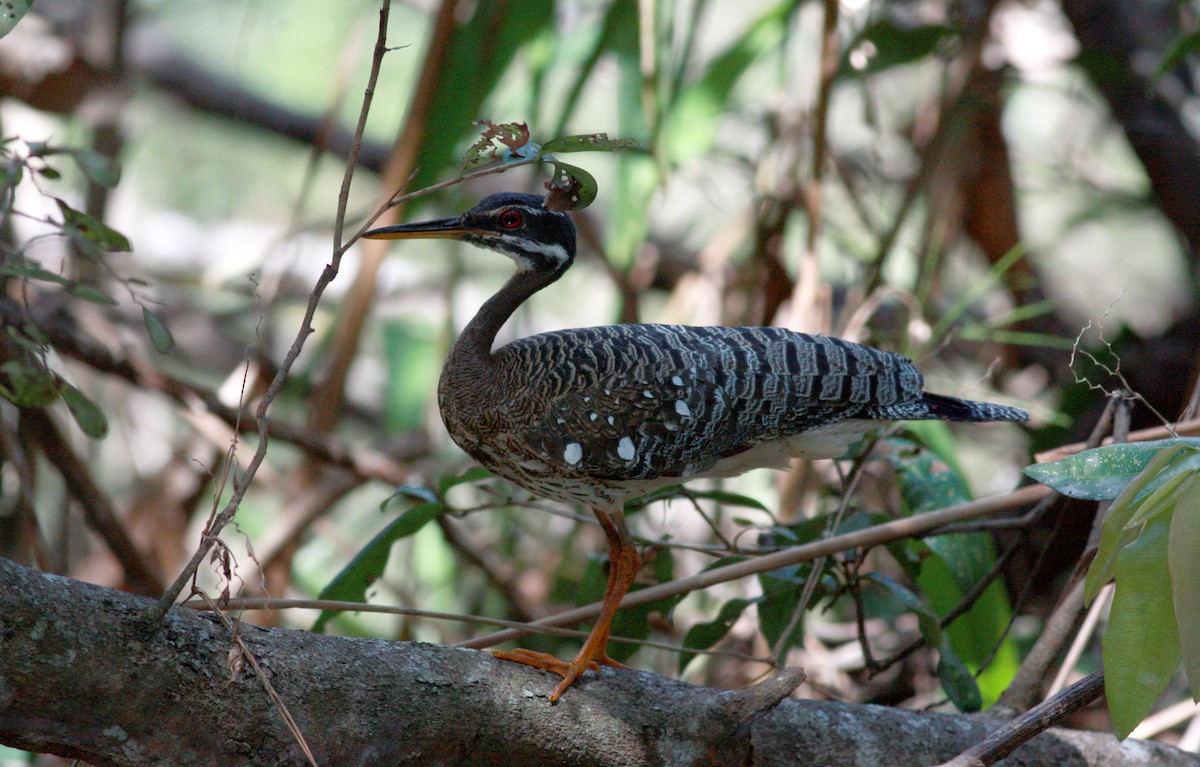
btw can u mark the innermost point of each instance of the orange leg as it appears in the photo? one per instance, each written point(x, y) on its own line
point(624, 564)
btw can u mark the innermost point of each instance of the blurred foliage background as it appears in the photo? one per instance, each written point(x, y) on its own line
point(988, 187)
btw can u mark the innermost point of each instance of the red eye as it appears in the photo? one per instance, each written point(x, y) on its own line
point(511, 218)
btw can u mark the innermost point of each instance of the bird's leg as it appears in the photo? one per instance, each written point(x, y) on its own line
point(623, 565)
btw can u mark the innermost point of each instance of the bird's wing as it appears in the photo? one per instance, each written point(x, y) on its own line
point(647, 401)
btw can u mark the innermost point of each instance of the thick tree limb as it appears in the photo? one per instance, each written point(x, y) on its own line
point(80, 676)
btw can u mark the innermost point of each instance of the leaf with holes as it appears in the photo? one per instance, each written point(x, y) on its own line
point(1103, 473)
point(514, 137)
point(11, 12)
point(572, 188)
point(590, 142)
point(1114, 532)
point(885, 44)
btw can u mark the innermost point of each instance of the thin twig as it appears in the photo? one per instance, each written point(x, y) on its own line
point(818, 565)
point(1182, 429)
point(366, 462)
point(497, 573)
point(1041, 717)
point(808, 275)
point(1082, 638)
point(280, 706)
point(966, 603)
point(274, 603)
point(241, 484)
point(871, 536)
point(13, 452)
point(1026, 685)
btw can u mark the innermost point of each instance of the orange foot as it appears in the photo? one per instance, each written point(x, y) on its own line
point(568, 670)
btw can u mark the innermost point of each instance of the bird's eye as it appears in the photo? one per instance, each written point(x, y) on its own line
point(511, 218)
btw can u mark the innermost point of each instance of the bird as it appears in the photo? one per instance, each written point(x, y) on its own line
point(603, 415)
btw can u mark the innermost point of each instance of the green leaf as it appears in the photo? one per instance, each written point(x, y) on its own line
point(100, 170)
point(1101, 474)
point(470, 474)
point(12, 11)
point(926, 481)
point(957, 680)
point(27, 269)
point(92, 229)
point(977, 636)
point(1177, 52)
point(885, 44)
point(1184, 567)
point(1162, 499)
point(89, 417)
point(160, 334)
point(1114, 535)
point(1141, 644)
point(418, 493)
point(782, 589)
point(577, 186)
point(927, 621)
point(351, 584)
point(412, 358)
point(726, 498)
point(590, 142)
point(29, 385)
point(630, 622)
point(695, 117)
point(616, 38)
point(478, 57)
point(31, 270)
point(89, 293)
point(704, 635)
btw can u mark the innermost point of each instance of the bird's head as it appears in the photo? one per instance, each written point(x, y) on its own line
point(518, 225)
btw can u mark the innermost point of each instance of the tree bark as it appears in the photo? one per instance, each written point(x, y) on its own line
point(82, 675)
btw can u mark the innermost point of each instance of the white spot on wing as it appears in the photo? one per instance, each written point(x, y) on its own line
point(682, 408)
point(573, 453)
point(625, 449)
point(677, 380)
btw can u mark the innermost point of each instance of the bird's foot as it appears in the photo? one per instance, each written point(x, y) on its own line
point(569, 670)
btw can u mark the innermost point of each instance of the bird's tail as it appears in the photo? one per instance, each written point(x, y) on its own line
point(940, 407)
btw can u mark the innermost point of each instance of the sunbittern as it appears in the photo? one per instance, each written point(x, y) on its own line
point(599, 416)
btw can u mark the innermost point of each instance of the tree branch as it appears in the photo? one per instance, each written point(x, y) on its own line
point(82, 677)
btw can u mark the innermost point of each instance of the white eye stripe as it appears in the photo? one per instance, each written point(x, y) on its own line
point(553, 252)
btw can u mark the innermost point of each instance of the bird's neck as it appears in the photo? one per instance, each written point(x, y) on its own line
point(476, 340)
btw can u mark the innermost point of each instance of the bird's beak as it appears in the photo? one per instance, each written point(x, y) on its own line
point(442, 228)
